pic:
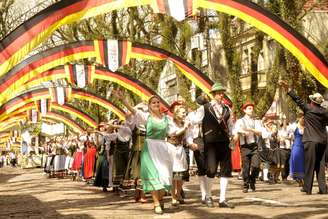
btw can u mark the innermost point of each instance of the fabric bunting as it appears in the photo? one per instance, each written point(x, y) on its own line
point(27, 100)
point(33, 115)
point(80, 75)
point(43, 106)
point(65, 120)
point(16, 45)
point(75, 112)
point(31, 68)
point(60, 95)
point(178, 9)
point(113, 53)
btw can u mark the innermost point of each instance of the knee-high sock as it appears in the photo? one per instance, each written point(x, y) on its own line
point(223, 188)
point(265, 174)
point(209, 186)
point(203, 186)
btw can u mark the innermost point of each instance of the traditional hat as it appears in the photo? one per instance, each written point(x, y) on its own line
point(317, 98)
point(217, 87)
point(246, 104)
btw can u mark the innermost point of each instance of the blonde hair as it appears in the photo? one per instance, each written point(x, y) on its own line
point(177, 110)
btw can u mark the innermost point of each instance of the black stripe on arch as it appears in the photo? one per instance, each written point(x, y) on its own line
point(100, 97)
point(286, 26)
point(138, 82)
point(167, 53)
point(120, 52)
point(41, 55)
point(80, 111)
point(23, 96)
point(24, 27)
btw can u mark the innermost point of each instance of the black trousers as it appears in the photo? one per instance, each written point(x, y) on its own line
point(200, 157)
point(250, 163)
point(314, 161)
point(217, 153)
point(285, 171)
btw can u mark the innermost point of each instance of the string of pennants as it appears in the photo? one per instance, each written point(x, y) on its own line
point(16, 45)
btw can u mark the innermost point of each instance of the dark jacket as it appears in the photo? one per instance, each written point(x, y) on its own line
point(315, 120)
point(214, 130)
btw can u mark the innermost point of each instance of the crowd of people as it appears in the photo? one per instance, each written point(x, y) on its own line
point(8, 159)
point(152, 150)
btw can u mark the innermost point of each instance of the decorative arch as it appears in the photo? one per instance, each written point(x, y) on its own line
point(31, 96)
point(16, 45)
point(96, 72)
point(39, 64)
point(50, 115)
point(64, 108)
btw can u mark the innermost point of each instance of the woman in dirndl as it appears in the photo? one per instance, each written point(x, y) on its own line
point(177, 137)
point(157, 154)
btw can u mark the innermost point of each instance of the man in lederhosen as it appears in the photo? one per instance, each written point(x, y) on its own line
point(216, 124)
point(246, 131)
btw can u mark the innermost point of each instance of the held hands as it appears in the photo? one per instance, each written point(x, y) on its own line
point(193, 147)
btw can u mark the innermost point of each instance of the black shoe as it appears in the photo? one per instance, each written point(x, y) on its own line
point(302, 190)
point(245, 190)
point(322, 193)
point(203, 201)
point(209, 202)
point(252, 186)
point(225, 204)
point(105, 189)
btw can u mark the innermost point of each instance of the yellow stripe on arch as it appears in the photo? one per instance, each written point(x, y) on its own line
point(123, 84)
point(72, 112)
point(100, 103)
point(17, 111)
point(64, 120)
point(18, 85)
point(271, 32)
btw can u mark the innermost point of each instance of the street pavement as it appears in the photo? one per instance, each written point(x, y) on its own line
point(28, 193)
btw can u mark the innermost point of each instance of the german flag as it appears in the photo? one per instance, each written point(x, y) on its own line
point(178, 9)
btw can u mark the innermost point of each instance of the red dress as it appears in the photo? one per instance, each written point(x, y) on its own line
point(77, 160)
point(235, 157)
point(89, 160)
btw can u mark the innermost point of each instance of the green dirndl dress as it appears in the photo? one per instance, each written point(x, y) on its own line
point(156, 157)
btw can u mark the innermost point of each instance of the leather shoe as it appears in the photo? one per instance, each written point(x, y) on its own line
point(252, 186)
point(245, 190)
point(158, 210)
point(302, 190)
point(225, 204)
point(209, 202)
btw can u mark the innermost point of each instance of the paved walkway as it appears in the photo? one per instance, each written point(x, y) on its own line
point(29, 193)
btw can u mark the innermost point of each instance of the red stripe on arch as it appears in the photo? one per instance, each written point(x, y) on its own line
point(46, 23)
point(42, 61)
point(305, 50)
point(145, 51)
point(123, 79)
point(47, 73)
point(192, 72)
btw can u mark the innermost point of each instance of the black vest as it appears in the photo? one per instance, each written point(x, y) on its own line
point(214, 130)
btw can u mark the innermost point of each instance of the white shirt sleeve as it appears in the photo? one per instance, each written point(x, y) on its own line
point(190, 135)
point(141, 117)
point(197, 116)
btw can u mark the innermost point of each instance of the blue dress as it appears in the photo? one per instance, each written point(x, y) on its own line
point(297, 156)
